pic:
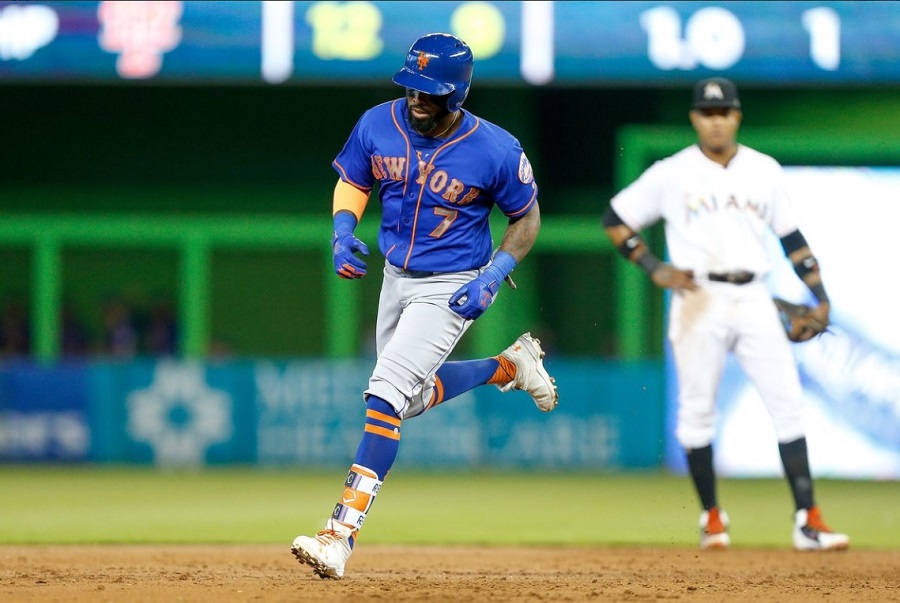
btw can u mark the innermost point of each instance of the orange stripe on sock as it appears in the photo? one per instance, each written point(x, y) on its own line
point(394, 435)
point(363, 470)
point(374, 414)
point(505, 373)
point(437, 394)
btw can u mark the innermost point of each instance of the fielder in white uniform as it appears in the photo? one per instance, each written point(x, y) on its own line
point(718, 199)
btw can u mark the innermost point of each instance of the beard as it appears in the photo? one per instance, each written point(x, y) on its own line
point(425, 125)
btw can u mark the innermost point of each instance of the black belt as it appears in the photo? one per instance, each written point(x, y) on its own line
point(415, 273)
point(741, 277)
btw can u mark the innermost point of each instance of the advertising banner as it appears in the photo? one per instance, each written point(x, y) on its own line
point(310, 413)
point(44, 412)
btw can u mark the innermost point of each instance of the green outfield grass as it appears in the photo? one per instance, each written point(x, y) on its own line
point(76, 504)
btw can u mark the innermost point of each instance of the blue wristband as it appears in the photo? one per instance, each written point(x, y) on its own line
point(502, 264)
point(344, 222)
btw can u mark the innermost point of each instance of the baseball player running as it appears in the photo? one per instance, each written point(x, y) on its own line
point(440, 170)
point(718, 198)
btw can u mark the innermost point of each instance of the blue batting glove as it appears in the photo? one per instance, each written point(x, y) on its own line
point(345, 245)
point(346, 264)
point(472, 299)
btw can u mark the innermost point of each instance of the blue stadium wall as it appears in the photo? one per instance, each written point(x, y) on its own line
point(310, 414)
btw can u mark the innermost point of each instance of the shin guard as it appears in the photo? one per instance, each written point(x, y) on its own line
point(360, 489)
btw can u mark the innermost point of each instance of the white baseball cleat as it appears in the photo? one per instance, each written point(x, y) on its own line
point(327, 553)
point(527, 355)
point(811, 533)
point(714, 530)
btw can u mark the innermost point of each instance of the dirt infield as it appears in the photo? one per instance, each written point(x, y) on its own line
point(381, 573)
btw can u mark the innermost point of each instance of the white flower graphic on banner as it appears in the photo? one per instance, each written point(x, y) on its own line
point(179, 415)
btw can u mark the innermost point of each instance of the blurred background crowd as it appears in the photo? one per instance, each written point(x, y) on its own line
point(118, 326)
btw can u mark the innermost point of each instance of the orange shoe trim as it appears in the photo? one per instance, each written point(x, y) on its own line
point(714, 523)
point(815, 521)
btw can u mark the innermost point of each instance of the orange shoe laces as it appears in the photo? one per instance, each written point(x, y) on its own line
point(328, 536)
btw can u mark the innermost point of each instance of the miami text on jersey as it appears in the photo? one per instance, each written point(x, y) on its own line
point(696, 205)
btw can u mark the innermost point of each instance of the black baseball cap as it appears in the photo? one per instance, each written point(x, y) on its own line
point(715, 92)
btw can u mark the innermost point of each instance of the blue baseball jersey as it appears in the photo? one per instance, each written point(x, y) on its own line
point(436, 194)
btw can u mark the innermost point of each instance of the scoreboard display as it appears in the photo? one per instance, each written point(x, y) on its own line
point(515, 43)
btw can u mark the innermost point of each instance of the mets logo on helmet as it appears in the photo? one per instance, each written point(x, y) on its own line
point(422, 62)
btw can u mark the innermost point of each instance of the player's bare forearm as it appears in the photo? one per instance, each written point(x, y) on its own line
point(618, 234)
point(812, 278)
point(822, 311)
point(807, 268)
point(472, 299)
point(520, 235)
point(635, 250)
point(670, 277)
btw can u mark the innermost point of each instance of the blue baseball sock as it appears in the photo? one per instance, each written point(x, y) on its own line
point(459, 377)
point(381, 438)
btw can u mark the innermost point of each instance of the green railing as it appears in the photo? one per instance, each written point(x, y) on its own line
point(194, 239)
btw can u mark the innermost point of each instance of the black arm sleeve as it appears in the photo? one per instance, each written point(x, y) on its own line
point(793, 241)
point(804, 266)
point(611, 218)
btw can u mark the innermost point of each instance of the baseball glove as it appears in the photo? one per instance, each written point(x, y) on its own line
point(799, 320)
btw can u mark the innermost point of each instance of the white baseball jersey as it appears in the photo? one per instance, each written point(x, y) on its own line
point(717, 220)
point(716, 217)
